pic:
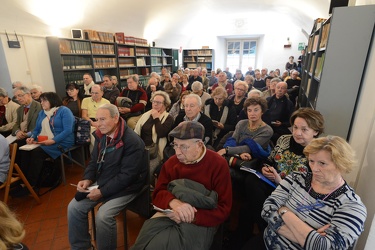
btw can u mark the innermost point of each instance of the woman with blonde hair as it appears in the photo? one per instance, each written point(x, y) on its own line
point(11, 230)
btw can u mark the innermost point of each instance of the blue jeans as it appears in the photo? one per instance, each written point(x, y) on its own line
point(105, 221)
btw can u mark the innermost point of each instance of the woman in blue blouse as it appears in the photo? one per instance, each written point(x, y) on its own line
point(56, 124)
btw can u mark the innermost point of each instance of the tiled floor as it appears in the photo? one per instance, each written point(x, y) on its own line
point(46, 224)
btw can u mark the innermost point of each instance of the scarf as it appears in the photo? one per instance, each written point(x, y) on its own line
point(47, 123)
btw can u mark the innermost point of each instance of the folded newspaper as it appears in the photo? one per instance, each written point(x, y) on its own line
point(164, 211)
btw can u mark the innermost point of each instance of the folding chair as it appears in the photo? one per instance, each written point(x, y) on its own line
point(67, 154)
point(18, 175)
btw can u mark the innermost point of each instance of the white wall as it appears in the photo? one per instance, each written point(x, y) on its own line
point(362, 139)
point(29, 64)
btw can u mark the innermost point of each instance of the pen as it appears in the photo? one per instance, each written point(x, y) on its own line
point(268, 168)
point(74, 185)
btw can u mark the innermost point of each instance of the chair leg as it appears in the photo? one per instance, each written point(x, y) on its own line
point(93, 223)
point(27, 184)
point(62, 169)
point(6, 194)
point(125, 225)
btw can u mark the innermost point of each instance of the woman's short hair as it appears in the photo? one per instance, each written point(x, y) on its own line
point(242, 83)
point(254, 91)
point(250, 77)
point(167, 99)
point(342, 154)
point(256, 101)
point(196, 86)
point(53, 99)
point(219, 91)
point(11, 229)
point(313, 118)
point(3, 92)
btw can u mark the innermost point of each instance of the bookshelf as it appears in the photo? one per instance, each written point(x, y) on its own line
point(335, 61)
point(71, 58)
point(194, 58)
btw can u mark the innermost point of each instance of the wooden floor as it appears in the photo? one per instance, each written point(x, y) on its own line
point(46, 224)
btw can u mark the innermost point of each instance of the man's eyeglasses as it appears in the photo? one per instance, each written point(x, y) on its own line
point(20, 95)
point(157, 102)
point(182, 147)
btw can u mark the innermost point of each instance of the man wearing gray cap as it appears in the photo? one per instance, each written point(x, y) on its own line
point(193, 195)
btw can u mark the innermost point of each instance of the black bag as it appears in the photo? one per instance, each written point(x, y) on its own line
point(82, 131)
point(50, 176)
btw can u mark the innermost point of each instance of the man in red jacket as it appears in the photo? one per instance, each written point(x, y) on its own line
point(193, 193)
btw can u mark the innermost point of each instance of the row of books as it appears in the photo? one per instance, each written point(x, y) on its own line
point(189, 59)
point(124, 73)
point(156, 69)
point(204, 59)
point(94, 35)
point(129, 40)
point(324, 35)
point(105, 62)
point(201, 52)
point(74, 47)
point(318, 24)
point(141, 61)
point(156, 61)
point(142, 51)
point(156, 51)
point(122, 51)
point(103, 49)
point(126, 62)
point(73, 77)
point(319, 66)
point(76, 62)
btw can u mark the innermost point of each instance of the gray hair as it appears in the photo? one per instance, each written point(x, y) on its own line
point(167, 99)
point(276, 79)
point(16, 83)
point(24, 89)
point(3, 92)
point(135, 78)
point(37, 87)
point(243, 83)
point(196, 86)
point(254, 91)
point(113, 110)
point(199, 100)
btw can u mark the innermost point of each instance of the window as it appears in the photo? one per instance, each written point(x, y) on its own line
point(241, 54)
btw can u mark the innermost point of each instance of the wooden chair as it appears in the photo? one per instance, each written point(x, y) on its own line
point(16, 175)
point(140, 205)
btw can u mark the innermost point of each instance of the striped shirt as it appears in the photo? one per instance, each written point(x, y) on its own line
point(342, 209)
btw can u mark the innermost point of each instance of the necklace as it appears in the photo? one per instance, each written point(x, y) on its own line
point(319, 202)
point(237, 102)
point(255, 129)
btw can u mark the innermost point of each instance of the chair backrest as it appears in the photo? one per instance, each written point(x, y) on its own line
point(142, 202)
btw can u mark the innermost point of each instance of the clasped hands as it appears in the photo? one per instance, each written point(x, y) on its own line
point(182, 212)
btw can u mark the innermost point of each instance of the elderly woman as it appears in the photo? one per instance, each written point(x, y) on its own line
point(272, 87)
point(222, 114)
point(35, 92)
point(250, 82)
point(251, 137)
point(8, 113)
point(286, 157)
point(73, 99)
point(317, 209)
point(173, 88)
point(178, 107)
point(154, 126)
point(53, 132)
point(237, 100)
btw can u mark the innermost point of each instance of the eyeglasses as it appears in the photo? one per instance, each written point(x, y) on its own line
point(157, 102)
point(182, 147)
point(20, 95)
point(70, 90)
point(95, 93)
point(240, 89)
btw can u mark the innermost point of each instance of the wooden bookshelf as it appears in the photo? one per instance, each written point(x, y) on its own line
point(334, 64)
point(194, 58)
point(71, 58)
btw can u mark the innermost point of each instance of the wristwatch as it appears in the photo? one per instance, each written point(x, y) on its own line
point(226, 150)
point(283, 211)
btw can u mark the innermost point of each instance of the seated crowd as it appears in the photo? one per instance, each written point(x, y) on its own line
point(201, 132)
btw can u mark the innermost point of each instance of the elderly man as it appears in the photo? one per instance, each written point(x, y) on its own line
point(195, 77)
point(112, 177)
point(35, 92)
point(197, 197)
point(193, 106)
point(294, 83)
point(90, 106)
point(223, 83)
point(27, 114)
point(111, 92)
point(197, 88)
point(139, 101)
point(280, 108)
point(87, 84)
point(8, 113)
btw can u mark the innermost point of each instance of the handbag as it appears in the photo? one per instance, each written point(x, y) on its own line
point(153, 149)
